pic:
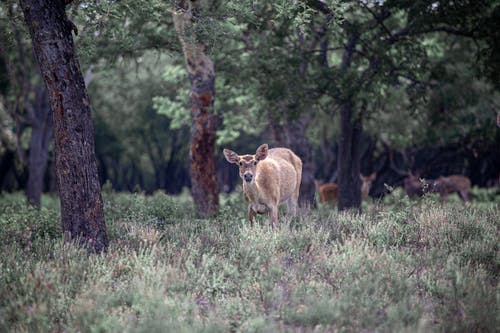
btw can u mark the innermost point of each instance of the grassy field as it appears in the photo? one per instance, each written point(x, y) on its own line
point(400, 266)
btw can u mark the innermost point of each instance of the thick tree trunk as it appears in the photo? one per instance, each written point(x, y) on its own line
point(82, 212)
point(201, 74)
point(348, 168)
point(41, 136)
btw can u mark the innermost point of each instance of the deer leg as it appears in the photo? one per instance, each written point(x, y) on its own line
point(273, 216)
point(295, 196)
point(251, 215)
point(291, 206)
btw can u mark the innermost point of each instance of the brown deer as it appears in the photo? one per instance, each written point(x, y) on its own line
point(270, 177)
point(453, 183)
point(443, 185)
point(414, 185)
point(366, 184)
point(328, 193)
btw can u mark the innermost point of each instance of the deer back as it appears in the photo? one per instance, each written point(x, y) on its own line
point(328, 193)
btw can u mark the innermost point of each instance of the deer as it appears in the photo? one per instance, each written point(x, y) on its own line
point(414, 185)
point(328, 193)
point(270, 177)
point(453, 183)
point(366, 184)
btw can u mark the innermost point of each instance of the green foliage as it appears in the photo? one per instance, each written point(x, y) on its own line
point(235, 105)
point(113, 30)
point(175, 106)
point(22, 224)
point(404, 266)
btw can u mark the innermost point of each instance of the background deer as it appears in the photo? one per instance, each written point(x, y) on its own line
point(414, 185)
point(328, 193)
point(270, 177)
point(366, 184)
point(453, 183)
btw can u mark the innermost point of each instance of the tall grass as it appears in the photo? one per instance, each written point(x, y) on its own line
point(401, 266)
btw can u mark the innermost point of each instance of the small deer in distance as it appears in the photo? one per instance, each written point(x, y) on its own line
point(328, 192)
point(444, 185)
point(270, 177)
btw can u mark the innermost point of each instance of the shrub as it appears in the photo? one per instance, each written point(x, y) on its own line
point(406, 266)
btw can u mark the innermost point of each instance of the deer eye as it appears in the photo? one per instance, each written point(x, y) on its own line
point(241, 163)
point(254, 162)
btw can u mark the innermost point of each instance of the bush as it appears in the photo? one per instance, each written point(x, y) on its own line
point(405, 266)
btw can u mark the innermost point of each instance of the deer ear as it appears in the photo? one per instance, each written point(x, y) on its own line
point(231, 156)
point(261, 152)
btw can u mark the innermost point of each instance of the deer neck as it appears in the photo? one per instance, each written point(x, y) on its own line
point(251, 190)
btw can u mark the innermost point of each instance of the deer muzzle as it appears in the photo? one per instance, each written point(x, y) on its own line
point(248, 177)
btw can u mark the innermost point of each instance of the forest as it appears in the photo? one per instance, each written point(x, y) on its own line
point(120, 122)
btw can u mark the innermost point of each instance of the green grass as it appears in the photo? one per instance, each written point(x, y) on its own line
point(401, 266)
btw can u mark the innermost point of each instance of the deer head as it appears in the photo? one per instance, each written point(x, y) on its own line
point(247, 163)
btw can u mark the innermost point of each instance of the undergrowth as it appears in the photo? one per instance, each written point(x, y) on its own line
point(401, 265)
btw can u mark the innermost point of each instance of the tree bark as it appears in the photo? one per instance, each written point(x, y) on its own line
point(297, 141)
point(6, 164)
point(41, 136)
point(348, 166)
point(349, 184)
point(201, 75)
point(82, 214)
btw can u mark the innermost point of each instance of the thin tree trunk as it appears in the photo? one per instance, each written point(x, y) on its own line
point(82, 214)
point(349, 184)
point(201, 74)
point(41, 136)
point(329, 153)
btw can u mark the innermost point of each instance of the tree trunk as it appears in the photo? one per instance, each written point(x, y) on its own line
point(6, 164)
point(297, 141)
point(201, 74)
point(41, 136)
point(82, 214)
point(329, 155)
point(292, 134)
point(348, 168)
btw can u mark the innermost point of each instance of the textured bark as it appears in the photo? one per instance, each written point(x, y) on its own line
point(297, 141)
point(292, 134)
point(41, 136)
point(348, 167)
point(201, 74)
point(82, 212)
point(349, 158)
